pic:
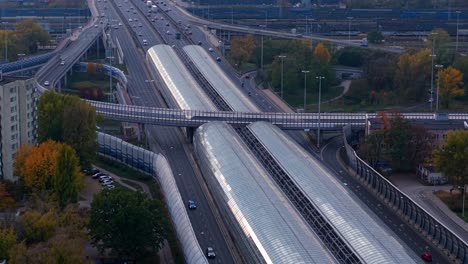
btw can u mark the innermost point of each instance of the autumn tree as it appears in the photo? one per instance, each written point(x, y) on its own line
point(451, 159)
point(242, 48)
point(450, 85)
point(31, 34)
point(60, 115)
point(127, 222)
point(322, 54)
point(462, 65)
point(7, 241)
point(68, 179)
point(38, 227)
point(412, 74)
point(439, 40)
point(372, 150)
point(40, 166)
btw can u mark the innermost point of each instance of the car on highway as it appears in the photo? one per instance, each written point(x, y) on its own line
point(192, 205)
point(130, 20)
point(210, 253)
point(210, 49)
point(120, 24)
point(145, 42)
point(218, 59)
point(46, 83)
point(199, 43)
point(168, 32)
point(426, 256)
point(140, 34)
point(62, 62)
point(140, 24)
point(167, 24)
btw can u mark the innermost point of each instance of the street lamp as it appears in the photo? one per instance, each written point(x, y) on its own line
point(320, 78)
point(431, 100)
point(6, 40)
point(463, 202)
point(110, 77)
point(438, 66)
point(305, 88)
point(261, 50)
point(349, 28)
point(458, 19)
point(282, 57)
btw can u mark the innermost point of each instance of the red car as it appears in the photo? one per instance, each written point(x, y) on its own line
point(426, 256)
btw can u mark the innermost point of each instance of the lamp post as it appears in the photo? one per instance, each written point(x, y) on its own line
point(110, 77)
point(6, 40)
point(282, 57)
point(232, 15)
point(438, 66)
point(320, 78)
point(261, 50)
point(349, 28)
point(463, 202)
point(458, 19)
point(305, 88)
point(432, 55)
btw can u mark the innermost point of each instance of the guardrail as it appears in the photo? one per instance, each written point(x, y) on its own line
point(157, 166)
point(388, 193)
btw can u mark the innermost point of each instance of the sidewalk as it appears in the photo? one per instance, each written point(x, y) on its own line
point(425, 197)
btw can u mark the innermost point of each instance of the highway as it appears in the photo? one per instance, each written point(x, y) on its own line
point(167, 140)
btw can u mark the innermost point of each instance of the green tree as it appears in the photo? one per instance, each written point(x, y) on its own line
point(398, 138)
point(451, 159)
point(8, 38)
point(412, 74)
point(7, 241)
point(350, 56)
point(50, 116)
point(372, 150)
point(450, 85)
point(79, 124)
point(461, 64)
point(127, 222)
point(31, 34)
point(68, 180)
point(38, 227)
point(375, 37)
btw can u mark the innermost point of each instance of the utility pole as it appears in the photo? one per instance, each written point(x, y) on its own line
point(349, 28)
point(320, 78)
point(305, 88)
point(282, 57)
point(431, 100)
point(458, 19)
point(438, 66)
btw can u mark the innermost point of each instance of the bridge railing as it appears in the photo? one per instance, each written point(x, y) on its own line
point(424, 222)
point(157, 166)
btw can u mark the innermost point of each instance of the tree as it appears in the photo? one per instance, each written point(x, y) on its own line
point(68, 115)
point(6, 201)
point(7, 241)
point(40, 166)
point(398, 137)
point(375, 37)
point(461, 64)
point(242, 48)
point(68, 179)
point(127, 222)
point(322, 54)
point(450, 85)
point(451, 159)
point(412, 74)
point(79, 124)
point(441, 40)
point(350, 56)
point(38, 227)
point(50, 116)
point(30, 34)
point(8, 38)
point(371, 150)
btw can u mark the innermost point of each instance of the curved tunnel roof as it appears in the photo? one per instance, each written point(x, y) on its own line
point(218, 79)
point(181, 85)
point(367, 236)
point(277, 232)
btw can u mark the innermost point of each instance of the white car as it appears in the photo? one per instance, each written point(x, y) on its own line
point(130, 20)
point(62, 62)
point(120, 24)
point(46, 83)
point(210, 49)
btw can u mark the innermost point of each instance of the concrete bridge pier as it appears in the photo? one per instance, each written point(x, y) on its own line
point(189, 131)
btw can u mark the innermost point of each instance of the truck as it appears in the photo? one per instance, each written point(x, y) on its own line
point(149, 3)
point(364, 42)
point(154, 8)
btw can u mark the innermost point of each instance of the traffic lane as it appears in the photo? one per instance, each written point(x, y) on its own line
point(204, 225)
point(403, 231)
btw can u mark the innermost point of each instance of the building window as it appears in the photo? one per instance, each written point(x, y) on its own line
point(12, 99)
point(13, 118)
point(13, 90)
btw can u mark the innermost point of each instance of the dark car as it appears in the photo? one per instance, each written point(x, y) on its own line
point(426, 256)
point(192, 205)
point(199, 43)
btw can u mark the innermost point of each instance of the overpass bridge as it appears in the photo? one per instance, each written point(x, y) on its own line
point(288, 121)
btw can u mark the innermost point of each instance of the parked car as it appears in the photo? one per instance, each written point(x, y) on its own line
point(94, 171)
point(98, 175)
point(192, 205)
point(105, 178)
point(210, 252)
point(110, 186)
point(107, 182)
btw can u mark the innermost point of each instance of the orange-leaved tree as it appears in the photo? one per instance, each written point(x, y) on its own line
point(40, 165)
point(321, 53)
point(242, 48)
point(450, 85)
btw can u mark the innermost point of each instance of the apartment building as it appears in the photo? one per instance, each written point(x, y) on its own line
point(18, 119)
